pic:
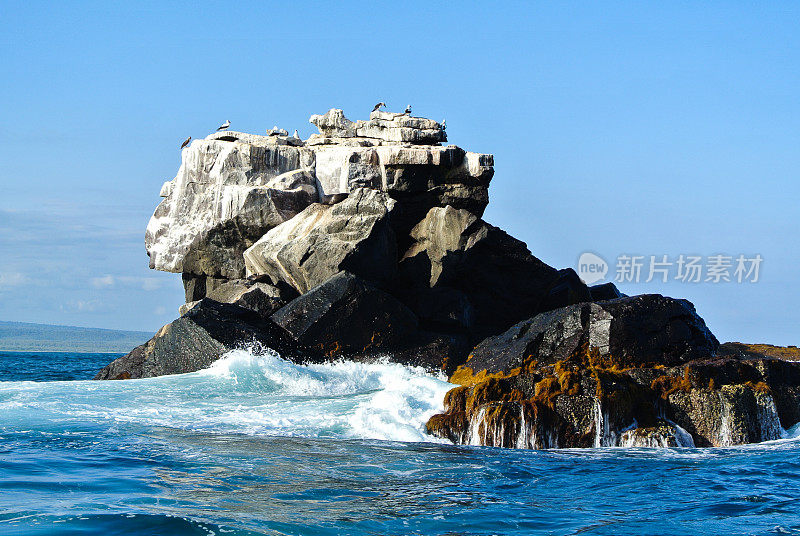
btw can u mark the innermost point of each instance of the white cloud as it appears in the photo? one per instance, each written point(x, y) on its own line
point(150, 283)
point(81, 306)
point(105, 281)
point(144, 283)
point(12, 279)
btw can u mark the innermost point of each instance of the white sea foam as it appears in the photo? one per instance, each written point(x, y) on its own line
point(248, 393)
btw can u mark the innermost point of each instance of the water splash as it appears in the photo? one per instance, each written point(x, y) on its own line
point(248, 393)
point(768, 420)
point(476, 435)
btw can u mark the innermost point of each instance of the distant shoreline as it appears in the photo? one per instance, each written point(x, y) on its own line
point(23, 337)
point(4, 351)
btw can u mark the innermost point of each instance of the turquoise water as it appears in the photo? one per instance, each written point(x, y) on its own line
point(256, 445)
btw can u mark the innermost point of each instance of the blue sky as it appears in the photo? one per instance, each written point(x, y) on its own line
point(635, 128)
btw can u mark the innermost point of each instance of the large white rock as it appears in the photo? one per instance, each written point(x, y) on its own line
point(323, 240)
point(225, 196)
point(233, 187)
point(387, 127)
point(446, 175)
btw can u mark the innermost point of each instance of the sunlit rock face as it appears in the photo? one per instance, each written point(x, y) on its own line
point(233, 187)
point(226, 195)
point(323, 240)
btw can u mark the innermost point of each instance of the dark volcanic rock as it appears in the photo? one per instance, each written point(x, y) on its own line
point(566, 289)
point(440, 308)
point(638, 371)
point(503, 282)
point(200, 337)
point(349, 317)
point(606, 291)
point(644, 330)
point(261, 297)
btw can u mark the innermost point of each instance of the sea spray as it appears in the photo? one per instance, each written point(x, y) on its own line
point(248, 393)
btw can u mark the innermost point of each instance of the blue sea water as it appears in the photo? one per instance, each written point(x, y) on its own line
point(257, 445)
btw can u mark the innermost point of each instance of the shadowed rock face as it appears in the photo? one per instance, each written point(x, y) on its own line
point(200, 337)
point(500, 279)
point(347, 317)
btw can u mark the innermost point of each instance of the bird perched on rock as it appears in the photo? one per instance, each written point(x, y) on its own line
point(407, 110)
point(185, 143)
point(444, 124)
point(296, 135)
point(379, 106)
point(225, 125)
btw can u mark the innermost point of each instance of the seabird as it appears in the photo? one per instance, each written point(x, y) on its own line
point(444, 124)
point(379, 106)
point(408, 110)
point(296, 135)
point(184, 144)
point(225, 125)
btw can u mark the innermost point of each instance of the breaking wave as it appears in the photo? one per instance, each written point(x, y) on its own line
point(248, 393)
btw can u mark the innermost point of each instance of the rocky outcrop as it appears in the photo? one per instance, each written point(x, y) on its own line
point(233, 187)
point(454, 249)
point(646, 330)
point(321, 241)
point(638, 371)
point(226, 195)
point(200, 337)
point(382, 127)
point(367, 241)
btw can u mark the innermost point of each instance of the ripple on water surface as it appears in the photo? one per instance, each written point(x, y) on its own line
point(257, 445)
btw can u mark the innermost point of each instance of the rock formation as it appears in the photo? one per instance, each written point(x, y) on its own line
point(321, 241)
point(367, 241)
point(638, 371)
point(198, 338)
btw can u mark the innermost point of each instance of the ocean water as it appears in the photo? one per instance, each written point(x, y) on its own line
point(257, 445)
